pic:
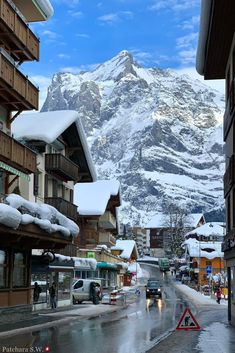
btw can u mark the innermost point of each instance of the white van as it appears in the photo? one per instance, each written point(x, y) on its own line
point(81, 290)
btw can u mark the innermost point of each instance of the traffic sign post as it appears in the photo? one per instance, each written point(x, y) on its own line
point(187, 321)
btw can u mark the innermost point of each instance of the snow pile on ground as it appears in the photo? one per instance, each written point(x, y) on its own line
point(20, 211)
point(215, 338)
point(197, 297)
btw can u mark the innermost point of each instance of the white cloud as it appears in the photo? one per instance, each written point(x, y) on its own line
point(43, 82)
point(174, 5)
point(64, 56)
point(190, 24)
point(82, 35)
point(75, 14)
point(76, 70)
point(186, 41)
point(49, 34)
point(113, 18)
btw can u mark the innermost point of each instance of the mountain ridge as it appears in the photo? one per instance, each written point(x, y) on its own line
point(157, 132)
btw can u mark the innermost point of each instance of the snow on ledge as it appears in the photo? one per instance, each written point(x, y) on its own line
point(18, 211)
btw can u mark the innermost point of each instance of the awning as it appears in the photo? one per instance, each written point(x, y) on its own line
point(14, 171)
point(107, 265)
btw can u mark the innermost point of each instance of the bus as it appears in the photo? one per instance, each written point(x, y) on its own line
point(164, 264)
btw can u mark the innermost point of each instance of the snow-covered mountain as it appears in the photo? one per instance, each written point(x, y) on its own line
point(158, 133)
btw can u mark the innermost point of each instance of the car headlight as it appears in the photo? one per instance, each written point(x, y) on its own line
point(147, 290)
point(159, 290)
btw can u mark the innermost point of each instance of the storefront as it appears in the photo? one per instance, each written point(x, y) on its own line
point(44, 272)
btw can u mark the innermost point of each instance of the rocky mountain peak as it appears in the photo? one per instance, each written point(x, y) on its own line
point(158, 133)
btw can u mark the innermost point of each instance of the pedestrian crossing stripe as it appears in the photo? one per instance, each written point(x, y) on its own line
point(187, 321)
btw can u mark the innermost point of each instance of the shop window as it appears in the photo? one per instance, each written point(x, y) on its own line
point(64, 281)
point(19, 269)
point(42, 281)
point(3, 269)
point(208, 263)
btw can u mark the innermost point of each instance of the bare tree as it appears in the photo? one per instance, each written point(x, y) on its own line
point(175, 219)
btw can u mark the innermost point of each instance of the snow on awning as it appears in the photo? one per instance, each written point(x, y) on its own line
point(16, 210)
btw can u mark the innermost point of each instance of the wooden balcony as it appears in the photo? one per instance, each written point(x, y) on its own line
point(16, 155)
point(61, 167)
point(107, 221)
point(229, 176)
point(16, 37)
point(65, 207)
point(16, 91)
point(107, 239)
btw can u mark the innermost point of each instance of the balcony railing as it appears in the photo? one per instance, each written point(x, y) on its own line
point(63, 206)
point(16, 36)
point(107, 238)
point(61, 166)
point(17, 92)
point(16, 155)
point(107, 221)
point(229, 176)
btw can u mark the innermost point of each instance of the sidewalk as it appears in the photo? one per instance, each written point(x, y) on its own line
point(48, 318)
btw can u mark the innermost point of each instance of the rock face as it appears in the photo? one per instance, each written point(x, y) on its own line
point(158, 133)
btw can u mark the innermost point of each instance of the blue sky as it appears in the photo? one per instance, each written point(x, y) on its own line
point(84, 33)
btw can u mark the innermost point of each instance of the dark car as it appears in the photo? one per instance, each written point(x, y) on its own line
point(153, 288)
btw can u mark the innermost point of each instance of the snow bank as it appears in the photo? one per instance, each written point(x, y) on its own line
point(197, 297)
point(20, 211)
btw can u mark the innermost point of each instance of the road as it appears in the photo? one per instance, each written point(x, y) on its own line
point(134, 329)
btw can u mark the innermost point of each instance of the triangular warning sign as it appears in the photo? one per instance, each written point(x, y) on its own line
point(188, 321)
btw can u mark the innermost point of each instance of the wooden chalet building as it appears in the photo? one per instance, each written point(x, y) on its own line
point(63, 159)
point(97, 208)
point(19, 233)
point(216, 60)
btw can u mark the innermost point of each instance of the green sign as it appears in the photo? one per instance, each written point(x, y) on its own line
point(91, 254)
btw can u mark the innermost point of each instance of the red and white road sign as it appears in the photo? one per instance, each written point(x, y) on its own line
point(188, 321)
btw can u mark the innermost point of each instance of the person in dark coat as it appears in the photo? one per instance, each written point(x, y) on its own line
point(52, 292)
point(36, 292)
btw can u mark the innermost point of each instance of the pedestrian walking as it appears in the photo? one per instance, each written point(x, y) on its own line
point(52, 293)
point(218, 294)
point(36, 292)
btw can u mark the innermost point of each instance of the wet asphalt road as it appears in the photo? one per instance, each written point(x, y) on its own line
point(132, 330)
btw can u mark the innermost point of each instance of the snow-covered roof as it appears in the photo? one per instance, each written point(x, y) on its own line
point(127, 247)
point(39, 214)
point(48, 126)
point(159, 220)
point(193, 219)
point(208, 229)
point(197, 248)
point(92, 198)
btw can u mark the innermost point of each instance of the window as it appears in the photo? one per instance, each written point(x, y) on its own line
point(79, 284)
point(3, 269)
point(19, 269)
point(208, 263)
point(64, 280)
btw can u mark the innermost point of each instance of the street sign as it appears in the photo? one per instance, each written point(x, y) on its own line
point(188, 321)
point(208, 269)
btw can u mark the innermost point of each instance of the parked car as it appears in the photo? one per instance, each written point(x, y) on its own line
point(153, 288)
point(82, 290)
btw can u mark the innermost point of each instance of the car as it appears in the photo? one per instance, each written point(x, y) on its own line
point(81, 290)
point(153, 288)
